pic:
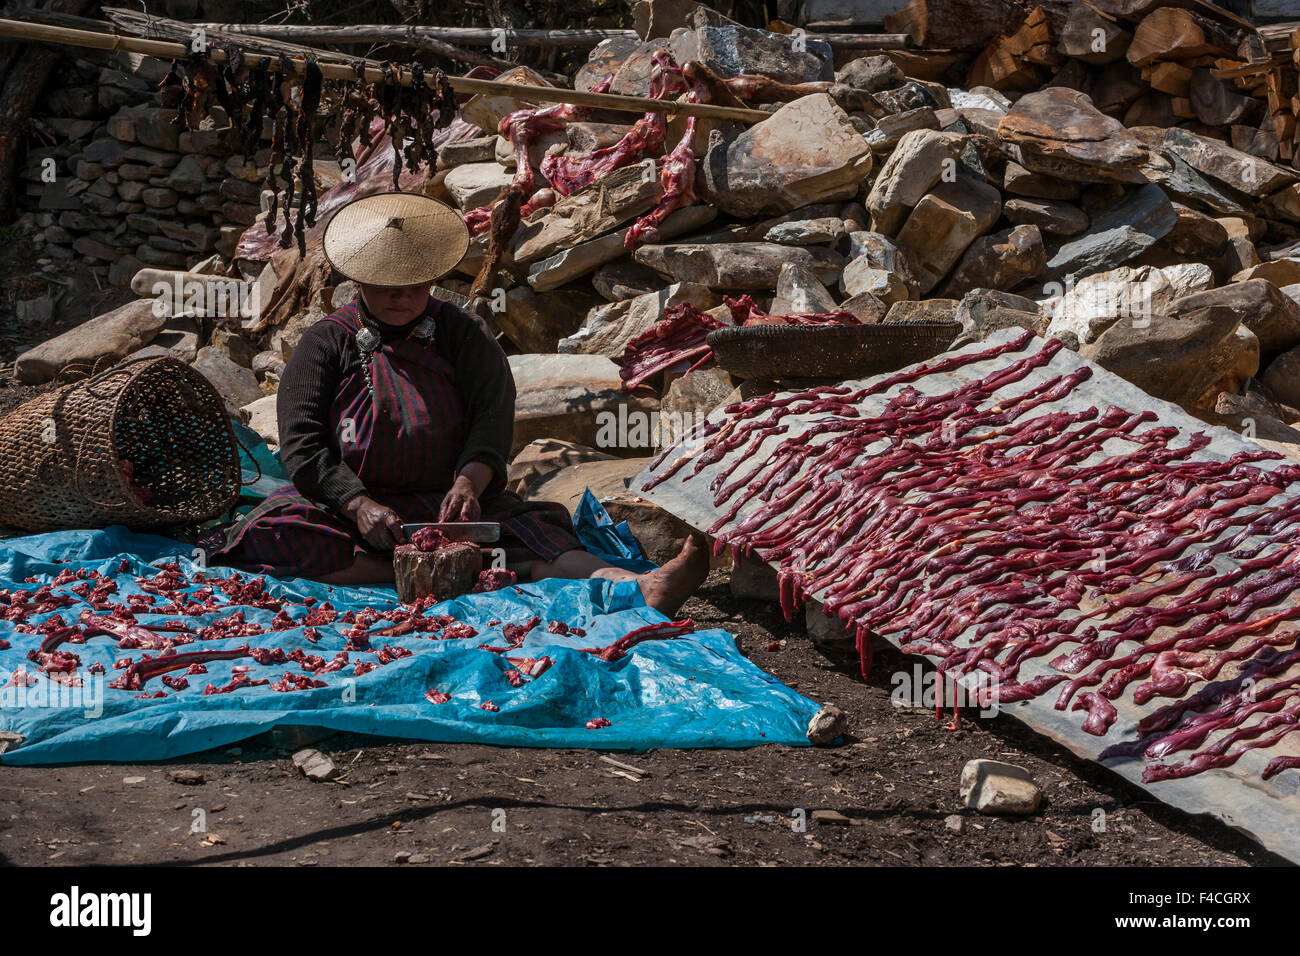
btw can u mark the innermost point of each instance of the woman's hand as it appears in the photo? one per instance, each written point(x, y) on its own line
point(461, 502)
point(379, 525)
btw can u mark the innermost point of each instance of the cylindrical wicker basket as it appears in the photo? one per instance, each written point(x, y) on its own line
point(145, 444)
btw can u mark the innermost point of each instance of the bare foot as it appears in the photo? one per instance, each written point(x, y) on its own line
point(666, 589)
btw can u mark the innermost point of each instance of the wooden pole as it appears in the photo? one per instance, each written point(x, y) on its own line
point(168, 50)
point(136, 23)
point(484, 36)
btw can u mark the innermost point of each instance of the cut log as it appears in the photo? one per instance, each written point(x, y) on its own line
point(1215, 103)
point(1169, 77)
point(1284, 128)
point(1002, 70)
point(1010, 62)
point(957, 24)
point(1173, 34)
point(444, 574)
point(1091, 36)
point(1258, 142)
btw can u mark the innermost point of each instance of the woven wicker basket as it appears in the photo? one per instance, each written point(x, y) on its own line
point(827, 351)
point(146, 444)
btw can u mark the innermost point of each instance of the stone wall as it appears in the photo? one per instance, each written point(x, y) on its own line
point(122, 186)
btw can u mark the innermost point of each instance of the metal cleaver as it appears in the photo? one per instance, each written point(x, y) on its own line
point(482, 532)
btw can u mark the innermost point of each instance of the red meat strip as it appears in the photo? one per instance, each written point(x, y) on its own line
point(651, 632)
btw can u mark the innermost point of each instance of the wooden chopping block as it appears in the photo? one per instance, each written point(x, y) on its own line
point(446, 573)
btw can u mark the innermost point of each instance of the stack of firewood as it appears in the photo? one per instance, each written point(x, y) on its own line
point(1186, 63)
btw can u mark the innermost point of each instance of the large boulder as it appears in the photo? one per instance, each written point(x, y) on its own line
point(1175, 357)
point(871, 73)
point(1242, 171)
point(624, 279)
point(262, 418)
point(877, 266)
point(917, 163)
point(1195, 234)
point(1282, 377)
point(1052, 218)
point(1120, 233)
point(1002, 260)
point(235, 384)
point(659, 533)
point(107, 339)
point(689, 399)
point(570, 263)
point(546, 456)
point(486, 110)
point(799, 291)
point(476, 184)
point(1098, 301)
point(945, 223)
point(1058, 131)
point(737, 266)
point(982, 312)
point(807, 152)
point(537, 321)
point(566, 485)
point(575, 398)
point(1261, 306)
point(731, 49)
point(599, 208)
point(1019, 181)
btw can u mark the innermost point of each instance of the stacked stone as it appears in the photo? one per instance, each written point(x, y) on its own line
point(125, 187)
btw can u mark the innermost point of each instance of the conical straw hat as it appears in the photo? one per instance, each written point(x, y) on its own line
point(395, 239)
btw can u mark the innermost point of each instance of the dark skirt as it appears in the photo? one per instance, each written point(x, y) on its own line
point(289, 536)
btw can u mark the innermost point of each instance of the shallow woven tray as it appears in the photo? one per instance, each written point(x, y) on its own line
point(827, 351)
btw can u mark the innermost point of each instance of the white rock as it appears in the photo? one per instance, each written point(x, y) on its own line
point(994, 787)
point(476, 184)
point(315, 765)
point(1096, 302)
point(261, 418)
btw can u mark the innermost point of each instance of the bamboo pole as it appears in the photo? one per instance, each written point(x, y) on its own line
point(484, 36)
point(167, 50)
point(136, 23)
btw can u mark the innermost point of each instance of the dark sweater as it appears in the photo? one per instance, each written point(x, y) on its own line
point(328, 352)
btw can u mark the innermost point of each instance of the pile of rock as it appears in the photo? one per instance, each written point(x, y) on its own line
point(123, 186)
point(1164, 252)
point(1164, 247)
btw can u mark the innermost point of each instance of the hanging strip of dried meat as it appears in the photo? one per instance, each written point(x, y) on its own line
point(311, 91)
point(292, 98)
point(276, 109)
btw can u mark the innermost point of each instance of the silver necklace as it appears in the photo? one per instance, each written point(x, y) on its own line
point(368, 342)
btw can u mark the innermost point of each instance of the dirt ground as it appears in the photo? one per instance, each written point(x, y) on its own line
point(894, 778)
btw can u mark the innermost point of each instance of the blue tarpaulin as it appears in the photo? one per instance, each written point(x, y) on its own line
point(693, 691)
